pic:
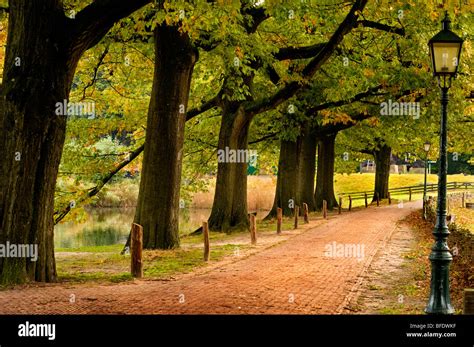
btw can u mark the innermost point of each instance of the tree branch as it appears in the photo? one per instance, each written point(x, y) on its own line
point(257, 14)
point(95, 20)
point(370, 92)
point(380, 26)
point(96, 70)
point(214, 102)
point(265, 104)
point(299, 52)
point(263, 138)
point(101, 183)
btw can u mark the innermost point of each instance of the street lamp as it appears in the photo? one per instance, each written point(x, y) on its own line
point(426, 147)
point(445, 49)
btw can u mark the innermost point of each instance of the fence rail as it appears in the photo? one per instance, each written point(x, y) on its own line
point(432, 187)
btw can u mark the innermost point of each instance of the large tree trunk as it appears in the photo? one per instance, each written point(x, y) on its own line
point(158, 200)
point(325, 172)
point(382, 171)
point(229, 209)
point(286, 193)
point(43, 49)
point(32, 135)
point(307, 168)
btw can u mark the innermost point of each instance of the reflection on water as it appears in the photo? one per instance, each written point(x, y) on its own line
point(110, 226)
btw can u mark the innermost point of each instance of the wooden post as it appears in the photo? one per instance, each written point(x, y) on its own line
point(377, 197)
point(409, 191)
point(306, 212)
point(325, 209)
point(279, 219)
point(365, 196)
point(297, 211)
point(136, 250)
point(463, 200)
point(205, 232)
point(389, 198)
point(350, 203)
point(340, 205)
point(468, 301)
point(253, 229)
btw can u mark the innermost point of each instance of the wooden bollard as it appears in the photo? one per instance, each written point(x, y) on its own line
point(205, 232)
point(279, 219)
point(409, 191)
point(463, 200)
point(297, 211)
point(377, 198)
point(389, 198)
point(306, 212)
point(340, 205)
point(253, 229)
point(468, 301)
point(366, 204)
point(136, 250)
point(350, 203)
point(325, 209)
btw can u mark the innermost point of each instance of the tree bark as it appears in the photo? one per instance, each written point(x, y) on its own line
point(229, 209)
point(307, 167)
point(325, 172)
point(158, 199)
point(286, 194)
point(37, 74)
point(382, 171)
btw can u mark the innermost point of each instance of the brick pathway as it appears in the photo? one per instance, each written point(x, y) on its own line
point(292, 277)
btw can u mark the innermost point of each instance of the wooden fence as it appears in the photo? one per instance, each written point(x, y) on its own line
point(431, 187)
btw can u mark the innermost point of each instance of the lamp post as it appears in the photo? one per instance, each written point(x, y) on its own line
point(445, 49)
point(426, 147)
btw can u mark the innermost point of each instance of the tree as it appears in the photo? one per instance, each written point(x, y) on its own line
point(43, 49)
point(325, 172)
point(229, 210)
point(307, 166)
point(158, 199)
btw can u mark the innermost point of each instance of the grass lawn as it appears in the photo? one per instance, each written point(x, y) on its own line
point(105, 264)
point(344, 183)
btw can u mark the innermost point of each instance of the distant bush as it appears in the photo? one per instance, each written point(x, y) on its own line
point(120, 194)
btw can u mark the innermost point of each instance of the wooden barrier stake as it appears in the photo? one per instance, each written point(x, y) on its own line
point(340, 205)
point(205, 232)
point(297, 211)
point(136, 250)
point(306, 212)
point(325, 209)
point(468, 301)
point(279, 219)
point(377, 197)
point(350, 203)
point(365, 196)
point(463, 200)
point(409, 191)
point(253, 229)
point(389, 198)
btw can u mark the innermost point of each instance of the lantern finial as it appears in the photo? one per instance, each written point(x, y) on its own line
point(446, 22)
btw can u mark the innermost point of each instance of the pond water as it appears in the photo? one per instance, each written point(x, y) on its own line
point(110, 226)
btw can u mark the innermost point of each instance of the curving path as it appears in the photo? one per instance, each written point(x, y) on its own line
point(292, 277)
